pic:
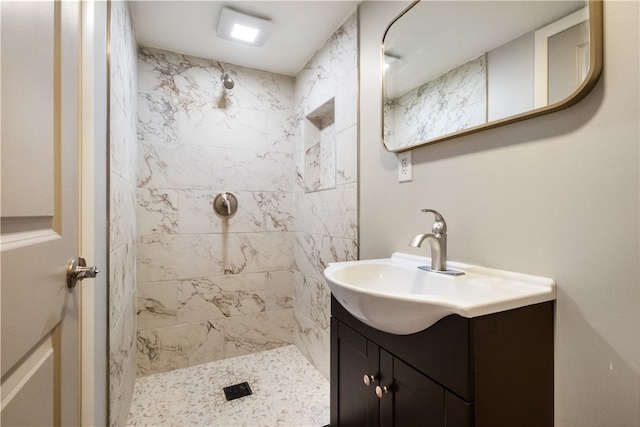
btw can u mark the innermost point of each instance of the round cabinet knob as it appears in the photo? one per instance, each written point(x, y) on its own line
point(381, 391)
point(368, 379)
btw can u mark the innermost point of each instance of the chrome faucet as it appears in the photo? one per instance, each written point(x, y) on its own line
point(438, 242)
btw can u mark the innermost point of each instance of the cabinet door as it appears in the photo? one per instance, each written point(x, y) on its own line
point(412, 399)
point(353, 403)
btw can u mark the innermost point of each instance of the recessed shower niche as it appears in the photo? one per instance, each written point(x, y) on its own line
point(320, 148)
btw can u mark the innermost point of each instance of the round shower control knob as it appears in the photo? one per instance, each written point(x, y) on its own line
point(368, 379)
point(225, 204)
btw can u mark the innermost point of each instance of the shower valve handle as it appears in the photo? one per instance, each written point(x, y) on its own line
point(225, 204)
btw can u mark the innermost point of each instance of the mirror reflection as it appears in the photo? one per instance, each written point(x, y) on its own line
point(452, 68)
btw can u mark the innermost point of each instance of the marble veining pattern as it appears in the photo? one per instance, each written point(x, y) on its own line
point(157, 211)
point(287, 391)
point(173, 166)
point(313, 342)
point(122, 213)
point(212, 287)
point(122, 341)
point(452, 102)
point(233, 295)
point(174, 302)
point(166, 349)
point(325, 221)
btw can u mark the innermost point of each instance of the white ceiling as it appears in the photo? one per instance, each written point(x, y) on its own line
point(189, 27)
point(434, 37)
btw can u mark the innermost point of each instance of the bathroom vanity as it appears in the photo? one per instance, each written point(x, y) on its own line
point(488, 371)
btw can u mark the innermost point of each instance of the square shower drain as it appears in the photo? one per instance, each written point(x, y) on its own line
point(237, 391)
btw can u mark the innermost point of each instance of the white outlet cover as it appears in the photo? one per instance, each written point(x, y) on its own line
point(405, 167)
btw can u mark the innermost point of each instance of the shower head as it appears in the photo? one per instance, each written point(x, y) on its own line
point(227, 81)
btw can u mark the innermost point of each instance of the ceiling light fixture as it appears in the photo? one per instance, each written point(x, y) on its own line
point(244, 33)
point(239, 27)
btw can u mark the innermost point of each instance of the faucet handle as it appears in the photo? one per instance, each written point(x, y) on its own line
point(440, 226)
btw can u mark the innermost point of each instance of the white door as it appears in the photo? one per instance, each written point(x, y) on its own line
point(40, 134)
point(568, 61)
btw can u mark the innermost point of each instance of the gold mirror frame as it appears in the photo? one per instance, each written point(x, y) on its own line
point(591, 78)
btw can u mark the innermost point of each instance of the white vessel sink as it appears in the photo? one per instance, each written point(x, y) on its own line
point(394, 296)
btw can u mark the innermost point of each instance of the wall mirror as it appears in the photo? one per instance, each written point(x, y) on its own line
point(458, 67)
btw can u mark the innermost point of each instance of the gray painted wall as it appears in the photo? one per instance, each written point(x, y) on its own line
point(555, 196)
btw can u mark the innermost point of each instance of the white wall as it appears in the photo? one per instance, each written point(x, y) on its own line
point(510, 78)
point(555, 196)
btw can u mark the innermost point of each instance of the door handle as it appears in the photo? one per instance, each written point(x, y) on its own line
point(77, 270)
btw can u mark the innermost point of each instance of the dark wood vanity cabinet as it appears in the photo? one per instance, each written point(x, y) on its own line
point(489, 371)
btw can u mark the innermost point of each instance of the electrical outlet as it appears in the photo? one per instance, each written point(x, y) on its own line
point(405, 168)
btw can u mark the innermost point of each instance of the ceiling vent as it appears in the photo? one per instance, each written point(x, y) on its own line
point(239, 27)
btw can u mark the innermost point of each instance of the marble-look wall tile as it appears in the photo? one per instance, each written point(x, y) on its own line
point(260, 211)
point(313, 342)
point(343, 48)
point(177, 256)
point(256, 252)
point(157, 117)
point(122, 212)
point(312, 297)
point(347, 108)
point(122, 198)
point(220, 297)
point(242, 129)
point(280, 132)
point(323, 74)
point(167, 257)
point(279, 289)
point(347, 157)
point(452, 102)
point(206, 281)
point(233, 278)
point(122, 340)
point(325, 221)
point(166, 349)
point(247, 170)
point(332, 213)
point(258, 332)
point(122, 280)
point(195, 83)
point(157, 304)
point(312, 168)
point(188, 344)
point(157, 211)
point(314, 252)
point(120, 402)
point(233, 295)
point(179, 166)
point(261, 90)
point(328, 157)
point(122, 153)
point(123, 59)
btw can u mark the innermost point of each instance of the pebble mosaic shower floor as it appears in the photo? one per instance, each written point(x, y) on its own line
point(287, 391)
